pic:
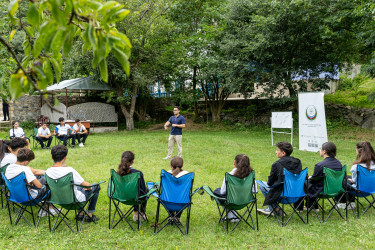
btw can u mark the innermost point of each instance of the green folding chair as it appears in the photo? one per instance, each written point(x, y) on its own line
point(34, 135)
point(125, 190)
point(332, 188)
point(239, 196)
point(62, 194)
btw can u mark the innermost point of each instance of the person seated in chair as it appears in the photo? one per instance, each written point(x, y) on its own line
point(241, 170)
point(62, 132)
point(81, 133)
point(316, 184)
point(24, 157)
point(13, 147)
point(293, 165)
point(125, 167)
point(17, 132)
point(44, 134)
point(176, 170)
point(59, 169)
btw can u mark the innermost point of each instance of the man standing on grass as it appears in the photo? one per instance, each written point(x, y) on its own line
point(178, 122)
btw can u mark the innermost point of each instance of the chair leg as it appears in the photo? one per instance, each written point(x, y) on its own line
point(109, 217)
point(157, 216)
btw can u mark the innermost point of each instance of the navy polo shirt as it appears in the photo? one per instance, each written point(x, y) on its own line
point(177, 120)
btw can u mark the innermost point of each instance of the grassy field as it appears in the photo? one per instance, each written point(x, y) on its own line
point(209, 153)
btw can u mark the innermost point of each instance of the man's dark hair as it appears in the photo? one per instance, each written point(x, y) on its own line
point(78, 120)
point(17, 143)
point(285, 147)
point(25, 154)
point(176, 107)
point(330, 149)
point(44, 123)
point(59, 152)
point(61, 119)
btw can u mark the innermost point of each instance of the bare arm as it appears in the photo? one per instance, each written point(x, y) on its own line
point(86, 184)
point(167, 124)
point(178, 125)
point(36, 183)
point(37, 172)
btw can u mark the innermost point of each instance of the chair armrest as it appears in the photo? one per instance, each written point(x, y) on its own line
point(33, 187)
point(316, 178)
point(209, 191)
point(92, 185)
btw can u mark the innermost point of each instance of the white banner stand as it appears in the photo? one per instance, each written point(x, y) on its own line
point(282, 120)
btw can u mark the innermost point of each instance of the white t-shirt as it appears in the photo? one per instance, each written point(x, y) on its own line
point(63, 130)
point(353, 170)
point(14, 169)
point(58, 172)
point(8, 158)
point(16, 132)
point(223, 189)
point(75, 127)
point(44, 132)
point(183, 172)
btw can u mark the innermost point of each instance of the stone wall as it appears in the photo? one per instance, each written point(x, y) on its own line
point(27, 108)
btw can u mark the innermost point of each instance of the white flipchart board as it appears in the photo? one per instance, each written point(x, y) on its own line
point(282, 120)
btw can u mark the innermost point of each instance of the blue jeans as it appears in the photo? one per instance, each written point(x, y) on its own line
point(264, 188)
point(94, 199)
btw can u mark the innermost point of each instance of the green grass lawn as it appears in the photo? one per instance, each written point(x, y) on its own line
point(209, 153)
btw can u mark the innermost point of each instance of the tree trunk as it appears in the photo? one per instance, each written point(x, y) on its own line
point(129, 114)
point(195, 69)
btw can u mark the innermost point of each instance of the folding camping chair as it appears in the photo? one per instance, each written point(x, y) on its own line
point(333, 187)
point(365, 188)
point(293, 193)
point(3, 188)
point(125, 190)
point(240, 195)
point(58, 141)
point(62, 194)
point(34, 135)
point(175, 195)
point(20, 199)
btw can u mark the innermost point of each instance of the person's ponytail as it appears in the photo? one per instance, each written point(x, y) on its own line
point(127, 159)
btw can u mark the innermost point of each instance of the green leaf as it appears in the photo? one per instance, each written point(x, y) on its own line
point(108, 5)
point(12, 35)
point(118, 16)
point(56, 102)
point(68, 43)
point(25, 61)
point(46, 32)
point(56, 68)
point(57, 13)
point(48, 70)
point(33, 15)
point(15, 86)
point(123, 37)
point(92, 36)
point(13, 7)
point(26, 46)
point(103, 70)
point(57, 42)
point(122, 59)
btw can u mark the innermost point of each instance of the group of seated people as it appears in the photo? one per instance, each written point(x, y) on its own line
point(17, 157)
point(77, 132)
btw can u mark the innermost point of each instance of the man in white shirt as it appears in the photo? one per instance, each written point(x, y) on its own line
point(44, 134)
point(59, 169)
point(62, 132)
point(14, 146)
point(81, 132)
point(24, 157)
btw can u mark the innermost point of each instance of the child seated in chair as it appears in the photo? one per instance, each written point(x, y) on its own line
point(62, 131)
point(59, 169)
point(13, 147)
point(24, 157)
point(125, 167)
point(81, 133)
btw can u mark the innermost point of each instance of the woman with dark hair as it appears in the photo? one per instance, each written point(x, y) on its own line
point(176, 167)
point(241, 169)
point(16, 131)
point(4, 148)
point(14, 146)
point(125, 168)
point(365, 158)
point(328, 152)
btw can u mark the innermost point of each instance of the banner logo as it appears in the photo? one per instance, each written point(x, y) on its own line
point(311, 112)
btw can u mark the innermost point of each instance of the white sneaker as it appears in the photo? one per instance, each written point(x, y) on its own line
point(166, 158)
point(341, 205)
point(352, 205)
point(265, 211)
point(53, 211)
point(42, 213)
point(81, 144)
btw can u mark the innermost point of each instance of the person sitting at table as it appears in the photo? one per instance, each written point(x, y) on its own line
point(81, 133)
point(44, 134)
point(62, 132)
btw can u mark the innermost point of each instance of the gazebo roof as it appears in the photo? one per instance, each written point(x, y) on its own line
point(86, 83)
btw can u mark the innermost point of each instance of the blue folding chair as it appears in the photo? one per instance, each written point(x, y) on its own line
point(293, 193)
point(20, 199)
point(175, 195)
point(365, 188)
